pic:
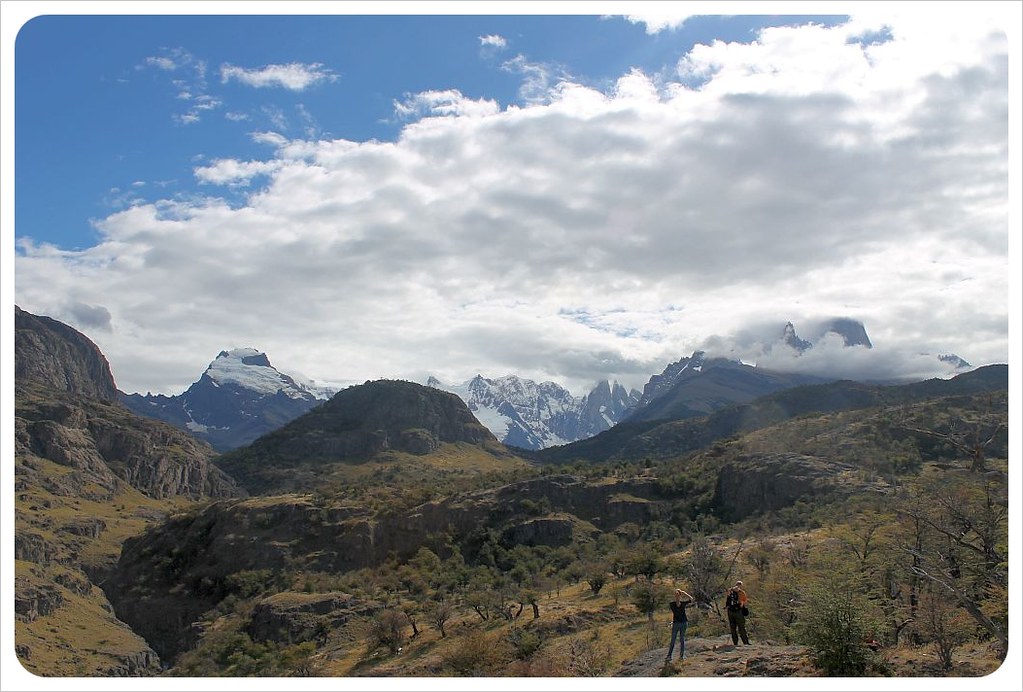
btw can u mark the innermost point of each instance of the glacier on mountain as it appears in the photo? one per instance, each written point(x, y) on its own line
point(530, 415)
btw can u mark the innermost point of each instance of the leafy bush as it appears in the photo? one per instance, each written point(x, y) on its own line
point(524, 642)
point(834, 623)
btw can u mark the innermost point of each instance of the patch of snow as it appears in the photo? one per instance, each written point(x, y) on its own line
point(250, 369)
point(492, 419)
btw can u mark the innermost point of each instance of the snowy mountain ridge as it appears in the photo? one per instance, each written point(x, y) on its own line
point(530, 415)
point(239, 397)
point(250, 369)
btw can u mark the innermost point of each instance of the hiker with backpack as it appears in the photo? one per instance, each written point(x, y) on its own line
point(737, 610)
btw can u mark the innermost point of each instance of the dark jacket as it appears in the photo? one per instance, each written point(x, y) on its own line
point(678, 610)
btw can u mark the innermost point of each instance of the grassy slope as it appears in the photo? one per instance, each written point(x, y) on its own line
point(81, 637)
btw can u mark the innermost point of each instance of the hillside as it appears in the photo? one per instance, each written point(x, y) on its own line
point(376, 421)
point(88, 474)
point(552, 575)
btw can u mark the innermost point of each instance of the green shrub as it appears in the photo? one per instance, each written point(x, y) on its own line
point(836, 626)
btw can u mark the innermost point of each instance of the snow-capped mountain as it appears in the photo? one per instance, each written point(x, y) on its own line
point(522, 413)
point(239, 397)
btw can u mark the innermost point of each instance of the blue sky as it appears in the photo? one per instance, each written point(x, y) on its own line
point(150, 92)
point(564, 197)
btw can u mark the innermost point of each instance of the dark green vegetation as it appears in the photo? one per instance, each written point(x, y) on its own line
point(387, 533)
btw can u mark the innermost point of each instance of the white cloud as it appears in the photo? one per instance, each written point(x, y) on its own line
point(191, 86)
point(272, 138)
point(592, 233)
point(162, 62)
point(538, 79)
point(293, 76)
point(449, 102)
point(493, 41)
point(661, 16)
point(231, 171)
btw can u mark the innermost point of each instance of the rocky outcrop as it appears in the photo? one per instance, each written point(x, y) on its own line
point(293, 618)
point(761, 483)
point(551, 531)
point(141, 663)
point(60, 357)
point(32, 601)
point(106, 445)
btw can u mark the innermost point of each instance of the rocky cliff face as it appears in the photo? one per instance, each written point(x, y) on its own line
point(104, 446)
point(60, 357)
point(761, 483)
point(87, 473)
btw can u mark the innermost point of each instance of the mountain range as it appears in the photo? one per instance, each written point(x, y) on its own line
point(527, 415)
point(241, 396)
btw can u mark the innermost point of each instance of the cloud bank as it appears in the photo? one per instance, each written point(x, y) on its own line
point(588, 233)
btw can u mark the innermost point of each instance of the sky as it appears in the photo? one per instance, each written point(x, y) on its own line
point(569, 196)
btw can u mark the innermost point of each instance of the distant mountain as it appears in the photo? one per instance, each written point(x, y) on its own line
point(665, 438)
point(853, 333)
point(357, 425)
point(697, 385)
point(239, 397)
point(957, 363)
point(527, 415)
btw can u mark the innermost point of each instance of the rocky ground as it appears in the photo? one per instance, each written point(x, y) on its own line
point(717, 657)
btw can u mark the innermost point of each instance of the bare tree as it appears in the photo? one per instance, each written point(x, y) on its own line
point(440, 612)
point(707, 572)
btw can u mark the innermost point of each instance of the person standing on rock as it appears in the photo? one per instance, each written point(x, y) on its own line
point(736, 610)
point(679, 623)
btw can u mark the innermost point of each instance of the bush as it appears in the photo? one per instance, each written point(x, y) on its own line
point(834, 624)
point(389, 629)
point(524, 642)
point(646, 599)
point(477, 655)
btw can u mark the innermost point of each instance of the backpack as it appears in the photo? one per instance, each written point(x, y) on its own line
point(732, 600)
